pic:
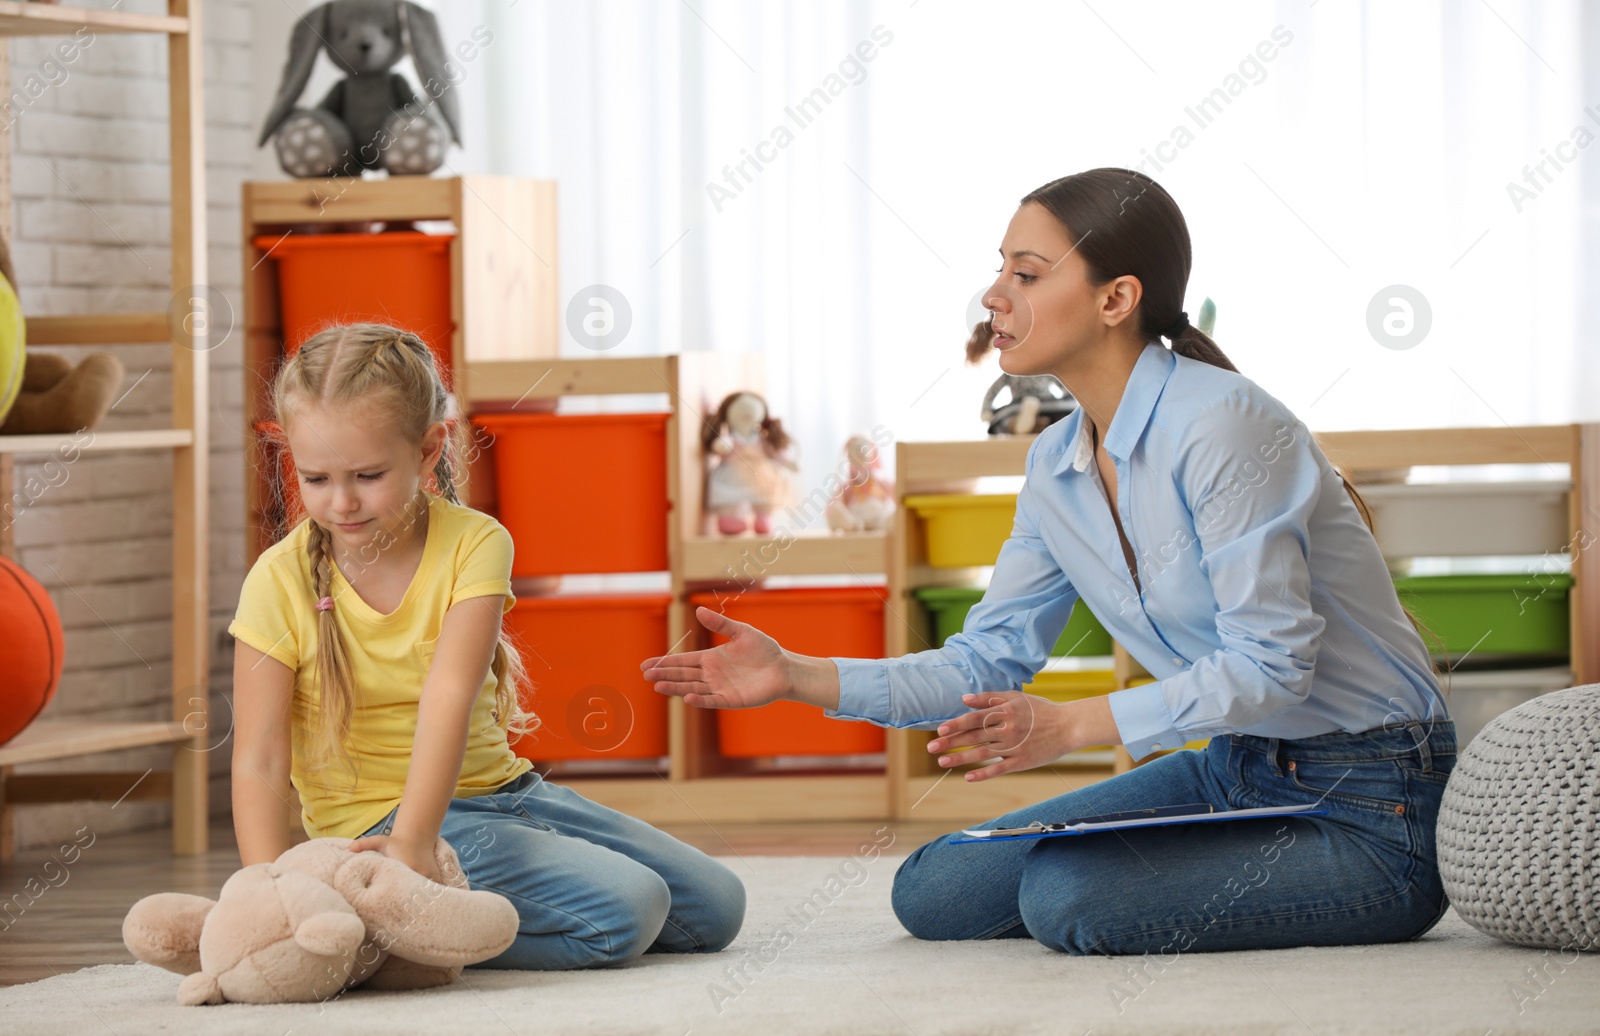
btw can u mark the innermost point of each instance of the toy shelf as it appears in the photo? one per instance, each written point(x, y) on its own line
point(504, 360)
point(1516, 518)
point(185, 785)
point(502, 279)
point(1558, 516)
point(919, 789)
point(700, 783)
point(18, 18)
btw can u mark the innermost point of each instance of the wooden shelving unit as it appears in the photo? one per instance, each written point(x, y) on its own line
point(918, 788)
point(505, 351)
point(503, 263)
point(188, 440)
point(1576, 447)
point(701, 785)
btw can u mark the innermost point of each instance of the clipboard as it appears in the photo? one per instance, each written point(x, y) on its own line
point(1156, 816)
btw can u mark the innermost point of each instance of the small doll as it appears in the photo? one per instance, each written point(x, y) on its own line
point(748, 479)
point(865, 502)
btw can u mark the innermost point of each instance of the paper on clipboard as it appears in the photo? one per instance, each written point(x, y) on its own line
point(1155, 817)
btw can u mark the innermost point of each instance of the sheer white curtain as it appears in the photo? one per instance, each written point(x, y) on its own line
point(1374, 147)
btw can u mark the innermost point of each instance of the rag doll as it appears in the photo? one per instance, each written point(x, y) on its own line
point(748, 453)
point(864, 503)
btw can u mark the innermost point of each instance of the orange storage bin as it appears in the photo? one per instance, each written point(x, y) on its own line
point(583, 653)
point(581, 493)
point(401, 279)
point(844, 622)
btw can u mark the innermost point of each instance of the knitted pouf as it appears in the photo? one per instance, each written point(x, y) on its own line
point(1519, 827)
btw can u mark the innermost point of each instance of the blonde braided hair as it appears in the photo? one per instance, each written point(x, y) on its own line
point(394, 373)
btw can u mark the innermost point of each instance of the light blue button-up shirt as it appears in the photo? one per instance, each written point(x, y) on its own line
point(1263, 604)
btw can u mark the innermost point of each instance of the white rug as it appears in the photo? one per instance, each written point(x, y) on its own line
point(854, 970)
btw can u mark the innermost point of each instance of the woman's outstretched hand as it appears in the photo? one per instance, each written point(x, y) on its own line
point(1008, 729)
point(749, 670)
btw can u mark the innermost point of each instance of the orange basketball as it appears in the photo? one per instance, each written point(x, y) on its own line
point(31, 652)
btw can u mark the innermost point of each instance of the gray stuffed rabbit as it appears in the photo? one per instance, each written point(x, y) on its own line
point(370, 119)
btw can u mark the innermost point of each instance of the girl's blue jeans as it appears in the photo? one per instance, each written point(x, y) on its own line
point(592, 886)
point(1365, 873)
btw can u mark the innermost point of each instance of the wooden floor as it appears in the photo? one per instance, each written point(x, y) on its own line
point(76, 922)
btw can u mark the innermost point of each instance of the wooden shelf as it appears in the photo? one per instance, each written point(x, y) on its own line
point(742, 558)
point(185, 785)
point(499, 380)
point(1361, 451)
point(35, 19)
point(930, 464)
point(155, 439)
point(1576, 446)
point(100, 329)
point(920, 791)
point(67, 738)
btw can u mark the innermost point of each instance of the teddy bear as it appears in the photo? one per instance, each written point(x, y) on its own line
point(43, 393)
point(370, 119)
point(317, 921)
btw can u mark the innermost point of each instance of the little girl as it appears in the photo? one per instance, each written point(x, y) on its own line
point(371, 672)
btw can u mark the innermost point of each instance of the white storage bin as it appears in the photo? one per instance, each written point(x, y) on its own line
point(1456, 518)
point(1476, 697)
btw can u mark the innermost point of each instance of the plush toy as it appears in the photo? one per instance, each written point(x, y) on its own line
point(317, 921)
point(370, 119)
point(44, 393)
point(747, 451)
point(864, 503)
point(1035, 402)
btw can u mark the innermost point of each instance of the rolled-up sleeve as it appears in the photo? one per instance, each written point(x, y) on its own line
point(1251, 478)
point(483, 566)
point(1006, 638)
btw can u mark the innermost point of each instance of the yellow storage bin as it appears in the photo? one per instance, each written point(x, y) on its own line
point(963, 531)
point(1074, 685)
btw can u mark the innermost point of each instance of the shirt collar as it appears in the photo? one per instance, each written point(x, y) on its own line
point(1148, 378)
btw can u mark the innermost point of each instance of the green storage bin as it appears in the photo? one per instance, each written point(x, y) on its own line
point(1511, 614)
point(949, 606)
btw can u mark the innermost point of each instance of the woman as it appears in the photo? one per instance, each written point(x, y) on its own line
point(1215, 541)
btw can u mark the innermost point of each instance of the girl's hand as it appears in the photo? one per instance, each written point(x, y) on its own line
point(416, 857)
point(1022, 730)
point(749, 670)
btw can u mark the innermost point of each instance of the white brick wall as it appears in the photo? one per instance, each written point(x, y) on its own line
point(91, 203)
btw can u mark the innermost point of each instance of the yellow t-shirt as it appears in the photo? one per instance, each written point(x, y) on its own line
point(467, 554)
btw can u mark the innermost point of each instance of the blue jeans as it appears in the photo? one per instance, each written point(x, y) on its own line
point(1365, 873)
point(592, 886)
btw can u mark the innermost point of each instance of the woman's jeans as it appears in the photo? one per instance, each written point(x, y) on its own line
point(1365, 873)
point(592, 886)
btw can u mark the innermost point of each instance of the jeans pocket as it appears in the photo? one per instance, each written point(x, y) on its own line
point(1362, 785)
point(522, 811)
point(1436, 778)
